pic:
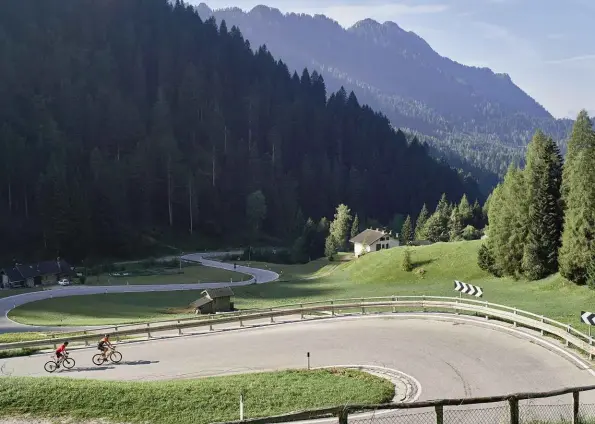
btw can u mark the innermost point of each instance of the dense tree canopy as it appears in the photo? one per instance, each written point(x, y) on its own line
point(542, 218)
point(126, 119)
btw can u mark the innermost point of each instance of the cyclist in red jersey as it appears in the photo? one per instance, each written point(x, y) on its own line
point(60, 352)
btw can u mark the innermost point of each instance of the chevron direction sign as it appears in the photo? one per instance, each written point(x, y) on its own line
point(468, 289)
point(588, 317)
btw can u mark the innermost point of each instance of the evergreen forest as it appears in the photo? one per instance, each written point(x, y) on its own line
point(127, 122)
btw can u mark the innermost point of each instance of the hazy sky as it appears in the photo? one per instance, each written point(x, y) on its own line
point(546, 46)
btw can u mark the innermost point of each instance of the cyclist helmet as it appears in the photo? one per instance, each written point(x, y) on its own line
point(66, 343)
point(106, 336)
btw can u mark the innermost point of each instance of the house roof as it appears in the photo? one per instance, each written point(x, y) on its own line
point(22, 272)
point(369, 236)
point(215, 293)
point(13, 274)
point(201, 302)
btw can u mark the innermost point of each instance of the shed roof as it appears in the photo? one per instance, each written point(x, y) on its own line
point(369, 236)
point(201, 302)
point(219, 292)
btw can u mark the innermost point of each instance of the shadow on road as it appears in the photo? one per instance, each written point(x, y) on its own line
point(138, 362)
point(81, 369)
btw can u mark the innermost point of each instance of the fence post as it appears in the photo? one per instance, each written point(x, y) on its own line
point(439, 414)
point(575, 407)
point(514, 410)
point(343, 416)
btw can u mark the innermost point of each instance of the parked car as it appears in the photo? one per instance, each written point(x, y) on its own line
point(64, 282)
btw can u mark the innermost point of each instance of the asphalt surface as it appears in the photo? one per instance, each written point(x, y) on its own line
point(260, 276)
point(449, 359)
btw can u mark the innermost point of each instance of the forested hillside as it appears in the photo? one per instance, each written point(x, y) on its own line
point(121, 121)
point(473, 117)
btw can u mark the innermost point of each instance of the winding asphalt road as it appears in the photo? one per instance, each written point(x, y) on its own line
point(446, 356)
point(259, 276)
point(450, 357)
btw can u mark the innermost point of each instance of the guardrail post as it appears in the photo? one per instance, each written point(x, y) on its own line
point(179, 329)
point(241, 322)
point(542, 320)
point(575, 407)
point(86, 341)
point(439, 414)
point(394, 307)
point(363, 308)
point(568, 330)
point(590, 344)
point(301, 311)
point(343, 416)
point(117, 334)
point(55, 346)
point(272, 320)
point(486, 306)
point(515, 312)
point(514, 410)
point(148, 331)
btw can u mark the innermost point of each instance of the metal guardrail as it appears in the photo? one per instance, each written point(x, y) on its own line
point(571, 336)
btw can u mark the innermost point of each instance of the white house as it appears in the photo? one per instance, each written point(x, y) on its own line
point(372, 241)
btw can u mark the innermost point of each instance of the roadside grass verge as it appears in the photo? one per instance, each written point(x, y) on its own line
point(375, 274)
point(198, 401)
point(190, 274)
point(13, 353)
point(14, 292)
point(293, 272)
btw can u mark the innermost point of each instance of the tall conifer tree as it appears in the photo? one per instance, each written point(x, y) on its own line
point(578, 190)
point(543, 175)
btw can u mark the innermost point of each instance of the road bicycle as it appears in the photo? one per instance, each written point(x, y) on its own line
point(54, 364)
point(113, 355)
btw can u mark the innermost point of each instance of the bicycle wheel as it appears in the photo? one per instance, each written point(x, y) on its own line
point(68, 363)
point(50, 366)
point(98, 359)
point(115, 357)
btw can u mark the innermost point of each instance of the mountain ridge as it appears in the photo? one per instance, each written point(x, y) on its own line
point(398, 73)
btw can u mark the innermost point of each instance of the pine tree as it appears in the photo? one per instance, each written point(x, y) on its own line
point(543, 175)
point(421, 222)
point(406, 231)
point(355, 230)
point(507, 217)
point(465, 211)
point(578, 190)
point(485, 260)
point(407, 265)
point(455, 224)
point(338, 231)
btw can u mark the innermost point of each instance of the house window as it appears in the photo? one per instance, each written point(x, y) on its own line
point(378, 246)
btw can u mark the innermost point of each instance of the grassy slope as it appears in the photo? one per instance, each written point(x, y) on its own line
point(377, 274)
point(192, 274)
point(190, 401)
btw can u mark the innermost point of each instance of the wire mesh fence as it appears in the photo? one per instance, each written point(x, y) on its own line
point(529, 412)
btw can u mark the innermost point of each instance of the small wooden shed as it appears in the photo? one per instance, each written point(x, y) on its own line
point(213, 301)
